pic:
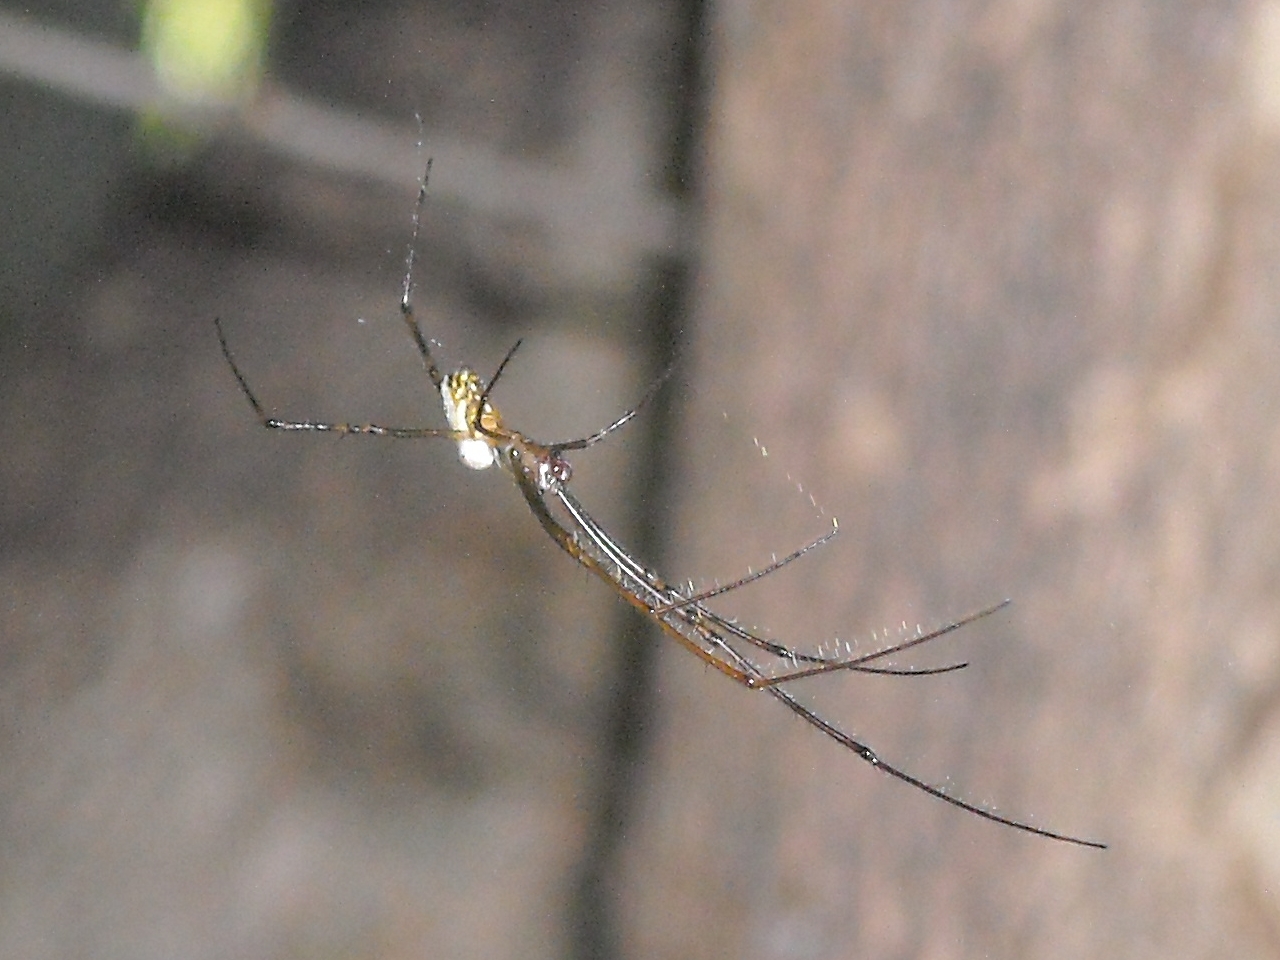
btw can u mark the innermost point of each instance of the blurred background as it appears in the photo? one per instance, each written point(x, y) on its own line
point(996, 284)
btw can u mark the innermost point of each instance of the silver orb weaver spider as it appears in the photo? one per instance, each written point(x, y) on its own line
point(542, 475)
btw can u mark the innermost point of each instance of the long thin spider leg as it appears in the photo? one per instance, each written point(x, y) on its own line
point(406, 294)
point(583, 442)
point(912, 671)
point(756, 574)
point(274, 423)
point(866, 753)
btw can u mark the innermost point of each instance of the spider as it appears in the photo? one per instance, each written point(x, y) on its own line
point(543, 475)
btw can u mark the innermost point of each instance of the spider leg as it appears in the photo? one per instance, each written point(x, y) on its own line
point(406, 293)
point(313, 426)
point(583, 442)
point(697, 598)
point(864, 752)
